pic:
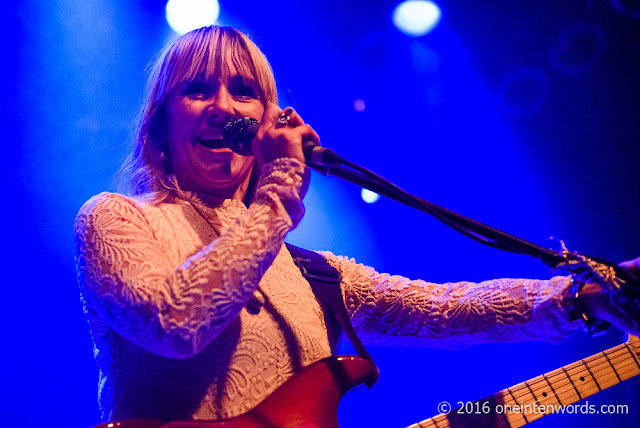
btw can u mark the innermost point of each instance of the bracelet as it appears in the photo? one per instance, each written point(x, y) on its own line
point(572, 302)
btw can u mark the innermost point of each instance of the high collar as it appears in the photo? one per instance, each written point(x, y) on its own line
point(220, 213)
point(212, 201)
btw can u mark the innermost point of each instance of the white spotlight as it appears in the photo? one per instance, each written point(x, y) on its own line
point(368, 196)
point(416, 17)
point(186, 15)
point(359, 105)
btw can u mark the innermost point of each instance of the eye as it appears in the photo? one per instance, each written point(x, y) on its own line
point(197, 90)
point(242, 88)
point(243, 91)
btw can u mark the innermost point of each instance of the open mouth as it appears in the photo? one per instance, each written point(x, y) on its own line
point(215, 143)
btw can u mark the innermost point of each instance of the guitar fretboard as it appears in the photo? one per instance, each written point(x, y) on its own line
point(528, 401)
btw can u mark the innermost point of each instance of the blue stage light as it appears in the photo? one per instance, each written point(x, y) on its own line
point(416, 18)
point(186, 15)
point(369, 197)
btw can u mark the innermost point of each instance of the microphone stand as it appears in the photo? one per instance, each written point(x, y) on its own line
point(625, 286)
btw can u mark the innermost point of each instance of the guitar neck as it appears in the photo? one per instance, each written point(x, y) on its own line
point(528, 401)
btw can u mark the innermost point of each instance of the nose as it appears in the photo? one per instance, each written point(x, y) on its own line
point(220, 108)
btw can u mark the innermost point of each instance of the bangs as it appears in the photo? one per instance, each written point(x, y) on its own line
point(204, 54)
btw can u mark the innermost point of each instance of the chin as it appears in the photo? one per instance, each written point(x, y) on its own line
point(224, 181)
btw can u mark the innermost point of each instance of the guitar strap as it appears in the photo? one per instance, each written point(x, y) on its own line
point(325, 283)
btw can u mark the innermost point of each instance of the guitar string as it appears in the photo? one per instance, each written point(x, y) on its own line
point(518, 415)
point(535, 416)
point(622, 365)
point(538, 386)
point(573, 372)
point(534, 398)
point(503, 419)
point(623, 353)
point(581, 366)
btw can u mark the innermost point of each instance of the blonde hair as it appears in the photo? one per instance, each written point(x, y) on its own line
point(195, 55)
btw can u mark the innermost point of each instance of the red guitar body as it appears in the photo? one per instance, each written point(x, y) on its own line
point(309, 399)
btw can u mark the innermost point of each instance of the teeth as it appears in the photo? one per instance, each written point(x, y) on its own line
point(213, 143)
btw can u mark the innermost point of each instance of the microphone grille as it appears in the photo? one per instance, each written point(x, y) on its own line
point(237, 138)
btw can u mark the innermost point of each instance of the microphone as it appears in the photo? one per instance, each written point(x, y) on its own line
point(238, 135)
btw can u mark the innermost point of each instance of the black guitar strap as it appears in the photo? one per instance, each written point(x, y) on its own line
point(325, 283)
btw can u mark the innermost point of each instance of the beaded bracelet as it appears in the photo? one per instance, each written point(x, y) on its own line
point(574, 308)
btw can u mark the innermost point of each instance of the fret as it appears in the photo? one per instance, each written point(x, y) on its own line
point(542, 391)
point(540, 407)
point(626, 370)
point(633, 354)
point(611, 364)
point(512, 419)
point(515, 419)
point(602, 371)
point(561, 387)
point(436, 424)
point(624, 364)
point(555, 397)
point(439, 421)
point(525, 400)
point(573, 385)
point(498, 414)
point(427, 423)
point(474, 416)
point(562, 384)
point(582, 380)
point(481, 413)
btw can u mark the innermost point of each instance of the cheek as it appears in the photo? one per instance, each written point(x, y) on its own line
point(260, 112)
point(181, 121)
point(255, 110)
point(172, 124)
point(183, 112)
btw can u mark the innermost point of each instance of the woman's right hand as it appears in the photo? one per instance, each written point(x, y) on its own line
point(597, 303)
point(272, 142)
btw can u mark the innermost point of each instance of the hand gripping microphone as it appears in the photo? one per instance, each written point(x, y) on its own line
point(238, 135)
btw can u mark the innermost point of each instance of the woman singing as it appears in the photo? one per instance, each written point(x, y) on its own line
point(196, 308)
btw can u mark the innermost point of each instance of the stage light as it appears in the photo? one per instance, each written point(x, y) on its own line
point(416, 18)
point(368, 196)
point(186, 15)
point(359, 105)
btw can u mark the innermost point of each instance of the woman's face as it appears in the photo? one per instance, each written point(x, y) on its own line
point(197, 114)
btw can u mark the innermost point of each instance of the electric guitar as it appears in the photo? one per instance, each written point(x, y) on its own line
point(529, 401)
point(310, 399)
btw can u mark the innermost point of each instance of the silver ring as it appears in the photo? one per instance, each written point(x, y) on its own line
point(283, 119)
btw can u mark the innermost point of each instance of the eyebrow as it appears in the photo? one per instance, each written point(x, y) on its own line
point(243, 79)
point(233, 80)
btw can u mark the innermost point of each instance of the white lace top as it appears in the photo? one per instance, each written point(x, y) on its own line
point(204, 318)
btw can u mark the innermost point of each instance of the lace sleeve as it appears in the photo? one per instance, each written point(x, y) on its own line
point(128, 284)
point(397, 311)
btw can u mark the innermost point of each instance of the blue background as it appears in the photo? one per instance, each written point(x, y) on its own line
point(523, 115)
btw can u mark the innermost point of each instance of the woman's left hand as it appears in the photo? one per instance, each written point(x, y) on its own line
point(273, 141)
point(596, 303)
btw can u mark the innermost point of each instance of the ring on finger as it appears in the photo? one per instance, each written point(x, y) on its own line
point(283, 119)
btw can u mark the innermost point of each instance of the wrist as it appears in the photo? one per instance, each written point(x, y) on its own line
point(582, 302)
